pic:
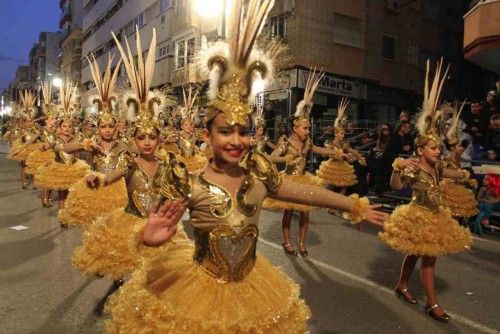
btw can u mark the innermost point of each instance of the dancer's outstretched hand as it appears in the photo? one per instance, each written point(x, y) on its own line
point(374, 216)
point(162, 223)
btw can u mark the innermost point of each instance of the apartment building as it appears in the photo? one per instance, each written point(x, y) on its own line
point(70, 23)
point(44, 57)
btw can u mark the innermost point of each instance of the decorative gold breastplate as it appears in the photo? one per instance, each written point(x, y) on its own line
point(226, 254)
point(106, 163)
point(143, 196)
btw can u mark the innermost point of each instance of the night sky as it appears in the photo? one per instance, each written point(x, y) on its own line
point(21, 21)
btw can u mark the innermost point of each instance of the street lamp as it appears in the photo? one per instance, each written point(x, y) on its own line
point(57, 82)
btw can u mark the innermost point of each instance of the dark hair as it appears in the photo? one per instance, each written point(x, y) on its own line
point(475, 101)
point(495, 117)
point(448, 145)
point(401, 124)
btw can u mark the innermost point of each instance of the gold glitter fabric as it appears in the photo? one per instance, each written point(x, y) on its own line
point(112, 246)
point(24, 152)
point(413, 229)
point(171, 294)
point(337, 173)
point(277, 205)
point(458, 199)
point(194, 163)
point(60, 176)
point(84, 205)
point(38, 159)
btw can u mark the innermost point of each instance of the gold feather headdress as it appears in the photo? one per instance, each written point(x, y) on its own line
point(146, 104)
point(304, 107)
point(234, 66)
point(452, 135)
point(189, 110)
point(28, 104)
point(259, 115)
point(340, 121)
point(427, 121)
point(106, 100)
point(68, 102)
point(48, 107)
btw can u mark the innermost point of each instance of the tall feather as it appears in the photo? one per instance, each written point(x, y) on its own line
point(46, 92)
point(305, 105)
point(105, 84)
point(342, 112)
point(453, 130)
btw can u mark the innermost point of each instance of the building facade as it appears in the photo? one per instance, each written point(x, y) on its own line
point(44, 58)
point(70, 23)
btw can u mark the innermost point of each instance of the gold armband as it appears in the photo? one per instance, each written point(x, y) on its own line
point(359, 210)
point(87, 144)
point(396, 165)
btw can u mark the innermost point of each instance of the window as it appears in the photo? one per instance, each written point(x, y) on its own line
point(162, 52)
point(190, 50)
point(181, 53)
point(278, 26)
point(412, 53)
point(164, 5)
point(184, 52)
point(138, 20)
point(389, 47)
point(348, 31)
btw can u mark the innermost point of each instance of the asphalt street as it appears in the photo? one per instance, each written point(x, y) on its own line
point(347, 279)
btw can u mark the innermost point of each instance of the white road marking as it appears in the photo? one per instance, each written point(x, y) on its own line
point(19, 227)
point(362, 280)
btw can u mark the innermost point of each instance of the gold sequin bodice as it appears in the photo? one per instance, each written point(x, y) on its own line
point(187, 146)
point(47, 136)
point(259, 144)
point(226, 226)
point(298, 165)
point(110, 160)
point(61, 156)
point(426, 191)
point(142, 190)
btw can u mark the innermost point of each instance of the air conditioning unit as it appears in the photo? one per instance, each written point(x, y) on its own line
point(392, 5)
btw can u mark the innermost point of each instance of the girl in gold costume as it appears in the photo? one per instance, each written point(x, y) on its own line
point(85, 200)
point(293, 152)
point(66, 168)
point(225, 287)
point(28, 135)
point(460, 200)
point(260, 141)
point(337, 171)
point(110, 245)
point(46, 137)
point(423, 229)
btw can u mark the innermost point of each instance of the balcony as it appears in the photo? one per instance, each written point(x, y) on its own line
point(184, 75)
point(482, 35)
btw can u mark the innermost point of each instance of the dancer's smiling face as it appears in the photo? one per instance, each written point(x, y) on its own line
point(50, 121)
point(147, 142)
point(107, 130)
point(65, 128)
point(430, 152)
point(230, 143)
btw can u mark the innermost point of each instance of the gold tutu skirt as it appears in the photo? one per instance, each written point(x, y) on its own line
point(172, 294)
point(38, 159)
point(195, 163)
point(112, 246)
point(59, 176)
point(415, 230)
point(84, 204)
point(458, 199)
point(277, 205)
point(23, 153)
point(337, 173)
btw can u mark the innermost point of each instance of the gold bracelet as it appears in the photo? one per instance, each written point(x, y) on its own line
point(396, 165)
point(359, 210)
point(87, 144)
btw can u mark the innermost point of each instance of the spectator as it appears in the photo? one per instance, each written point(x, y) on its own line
point(375, 169)
point(492, 102)
point(398, 143)
point(488, 196)
point(492, 139)
point(404, 116)
point(476, 121)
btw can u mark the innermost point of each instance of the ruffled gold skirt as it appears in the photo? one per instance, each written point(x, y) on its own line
point(337, 173)
point(277, 205)
point(413, 229)
point(38, 159)
point(24, 152)
point(84, 204)
point(59, 176)
point(458, 199)
point(195, 163)
point(112, 246)
point(172, 294)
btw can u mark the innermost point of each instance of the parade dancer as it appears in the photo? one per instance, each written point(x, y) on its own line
point(225, 287)
point(423, 229)
point(293, 151)
point(260, 141)
point(66, 168)
point(86, 200)
point(110, 245)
